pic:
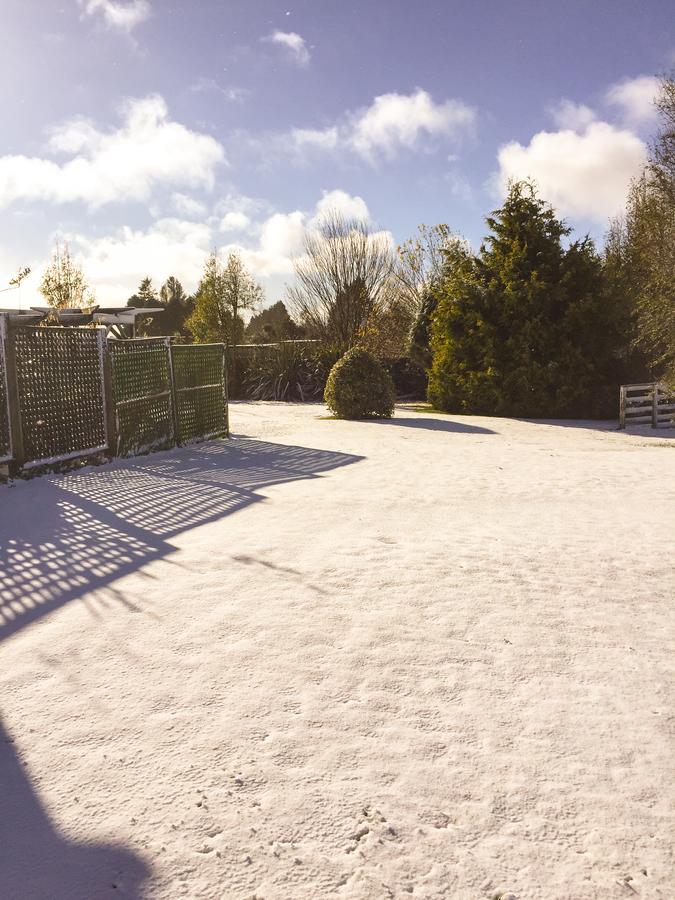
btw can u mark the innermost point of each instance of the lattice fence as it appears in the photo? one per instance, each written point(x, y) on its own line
point(141, 388)
point(70, 392)
point(5, 439)
point(59, 375)
point(201, 393)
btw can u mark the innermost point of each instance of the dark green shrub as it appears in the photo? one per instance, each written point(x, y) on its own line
point(358, 387)
point(283, 371)
point(410, 379)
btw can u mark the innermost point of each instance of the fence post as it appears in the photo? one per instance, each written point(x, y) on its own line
point(109, 407)
point(226, 399)
point(622, 406)
point(14, 408)
point(172, 390)
point(655, 406)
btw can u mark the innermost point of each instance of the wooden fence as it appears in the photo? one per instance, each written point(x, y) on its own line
point(646, 404)
point(68, 392)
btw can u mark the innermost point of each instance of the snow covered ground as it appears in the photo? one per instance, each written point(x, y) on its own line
point(428, 657)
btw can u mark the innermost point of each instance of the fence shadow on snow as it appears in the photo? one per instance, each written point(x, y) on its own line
point(66, 535)
point(36, 861)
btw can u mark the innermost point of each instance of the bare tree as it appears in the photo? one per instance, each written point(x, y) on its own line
point(420, 262)
point(340, 279)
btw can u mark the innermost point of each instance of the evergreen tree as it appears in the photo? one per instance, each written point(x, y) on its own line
point(145, 297)
point(178, 307)
point(525, 327)
point(272, 324)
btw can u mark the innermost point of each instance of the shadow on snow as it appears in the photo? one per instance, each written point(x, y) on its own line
point(430, 424)
point(36, 862)
point(66, 535)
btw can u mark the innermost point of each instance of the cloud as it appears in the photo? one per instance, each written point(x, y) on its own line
point(398, 121)
point(210, 85)
point(118, 14)
point(583, 174)
point(188, 206)
point(569, 115)
point(349, 206)
point(634, 97)
point(294, 44)
point(391, 124)
point(326, 139)
point(235, 221)
point(115, 265)
point(147, 151)
point(281, 236)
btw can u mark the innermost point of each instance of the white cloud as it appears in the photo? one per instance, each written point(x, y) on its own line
point(118, 14)
point(235, 221)
point(281, 235)
point(351, 207)
point(569, 115)
point(326, 139)
point(116, 264)
point(392, 123)
point(294, 44)
point(582, 174)
point(148, 150)
point(188, 206)
point(210, 85)
point(399, 121)
point(635, 97)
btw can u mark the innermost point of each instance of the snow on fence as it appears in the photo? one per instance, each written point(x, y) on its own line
point(67, 392)
point(641, 404)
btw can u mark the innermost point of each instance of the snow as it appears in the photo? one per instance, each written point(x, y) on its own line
point(431, 657)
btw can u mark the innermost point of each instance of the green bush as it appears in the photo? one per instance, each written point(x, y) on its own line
point(358, 387)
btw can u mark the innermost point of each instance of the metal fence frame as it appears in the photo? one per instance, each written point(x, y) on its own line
point(212, 415)
point(119, 351)
point(6, 454)
point(183, 390)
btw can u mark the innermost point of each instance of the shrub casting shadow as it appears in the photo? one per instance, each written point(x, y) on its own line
point(37, 863)
point(65, 535)
point(430, 424)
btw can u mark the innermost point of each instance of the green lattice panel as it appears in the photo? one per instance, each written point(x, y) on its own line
point(5, 443)
point(141, 393)
point(201, 404)
point(59, 377)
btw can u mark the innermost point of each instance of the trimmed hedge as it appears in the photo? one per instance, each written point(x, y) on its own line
point(358, 387)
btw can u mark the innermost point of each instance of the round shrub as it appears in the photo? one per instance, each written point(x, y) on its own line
point(359, 388)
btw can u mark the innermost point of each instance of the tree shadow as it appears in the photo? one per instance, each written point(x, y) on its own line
point(65, 535)
point(38, 863)
point(608, 425)
point(430, 424)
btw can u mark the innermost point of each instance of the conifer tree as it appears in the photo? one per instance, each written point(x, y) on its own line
point(525, 327)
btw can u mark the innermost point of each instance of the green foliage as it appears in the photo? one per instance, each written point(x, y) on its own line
point(419, 346)
point(172, 299)
point(223, 292)
point(358, 387)
point(410, 380)
point(641, 247)
point(272, 324)
point(525, 328)
point(284, 371)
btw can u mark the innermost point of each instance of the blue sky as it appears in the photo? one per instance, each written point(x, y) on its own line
point(147, 131)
